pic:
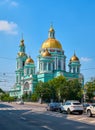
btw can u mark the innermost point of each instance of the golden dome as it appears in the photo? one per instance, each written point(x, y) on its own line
point(29, 60)
point(46, 53)
point(74, 58)
point(21, 54)
point(51, 43)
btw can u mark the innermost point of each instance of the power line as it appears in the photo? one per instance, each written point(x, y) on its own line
point(88, 69)
point(7, 58)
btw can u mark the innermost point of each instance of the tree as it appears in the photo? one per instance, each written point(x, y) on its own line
point(59, 89)
point(75, 90)
point(56, 85)
point(34, 97)
point(90, 89)
point(6, 97)
point(1, 91)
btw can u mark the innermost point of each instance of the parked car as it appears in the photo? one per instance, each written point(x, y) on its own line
point(54, 106)
point(71, 106)
point(90, 110)
point(85, 105)
point(20, 102)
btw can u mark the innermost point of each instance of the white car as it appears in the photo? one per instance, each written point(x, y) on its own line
point(90, 110)
point(71, 106)
point(20, 102)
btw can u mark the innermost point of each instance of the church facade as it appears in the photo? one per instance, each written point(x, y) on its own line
point(51, 62)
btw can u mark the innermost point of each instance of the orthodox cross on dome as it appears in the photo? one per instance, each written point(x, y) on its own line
point(22, 40)
point(51, 32)
point(74, 53)
point(22, 46)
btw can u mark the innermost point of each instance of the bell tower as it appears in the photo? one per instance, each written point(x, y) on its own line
point(21, 58)
point(74, 64)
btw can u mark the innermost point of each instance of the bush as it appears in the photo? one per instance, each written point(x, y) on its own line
point(34, 97)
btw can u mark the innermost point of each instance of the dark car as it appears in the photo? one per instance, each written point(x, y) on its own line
point(54, 106)
point(85, 105)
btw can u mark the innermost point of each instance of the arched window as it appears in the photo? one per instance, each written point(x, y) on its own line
point(74, 70)
point(31, 71)
point(26, 86)
point(53, 66)
point(45, 66)
point(27, 71)
point(23, 64)
point(49, 66)
point(59, 64)
point(40, 66)
point(77, 69)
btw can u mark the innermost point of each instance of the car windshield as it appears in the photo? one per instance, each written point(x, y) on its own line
point(93, 105)
point(86, 105)
point(54, 104)
point(76, 103)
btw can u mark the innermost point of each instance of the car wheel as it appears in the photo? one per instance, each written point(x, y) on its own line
point(60, 110)
point(81, 112)
point(89, 113)
point(68, 111)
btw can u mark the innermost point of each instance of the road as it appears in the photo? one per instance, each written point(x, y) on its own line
point(35, 117)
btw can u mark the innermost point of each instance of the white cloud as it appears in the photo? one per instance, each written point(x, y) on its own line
point(8, 27)
point(13, 3)
point(9, 2)
point(85, 59)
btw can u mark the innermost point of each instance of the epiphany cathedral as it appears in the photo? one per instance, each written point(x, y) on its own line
point(51, 62)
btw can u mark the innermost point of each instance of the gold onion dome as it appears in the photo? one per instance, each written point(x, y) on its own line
point(46, 53)
point(21, 54)
point(74, 58)
point(51, 42)
point(29, 60)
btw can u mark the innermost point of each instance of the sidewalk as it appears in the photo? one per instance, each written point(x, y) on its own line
point(36, 104)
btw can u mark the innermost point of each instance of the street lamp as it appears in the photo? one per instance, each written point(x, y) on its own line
point(94, 96)
point(84, 95)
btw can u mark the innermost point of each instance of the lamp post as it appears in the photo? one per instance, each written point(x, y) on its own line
point(84, 95)
point(94, 96)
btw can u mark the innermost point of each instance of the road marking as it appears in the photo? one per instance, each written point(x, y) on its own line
point(23, 118)
point(92, 121)
point(82, 118)
point(47, 127)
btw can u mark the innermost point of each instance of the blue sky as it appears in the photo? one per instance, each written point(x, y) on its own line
point(73, 21)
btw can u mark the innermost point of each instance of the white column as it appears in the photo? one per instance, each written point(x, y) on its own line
point(39, 68)
point(38, 65)
point(42, 67)
point(76, 70)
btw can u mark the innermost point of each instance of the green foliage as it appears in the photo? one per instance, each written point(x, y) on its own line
point(59, 89)
point(34, 97)
point(1, 91)
point(90, 90)
point(56, 85)
point(75, 90)
point(6, 97)
point(26, 97)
